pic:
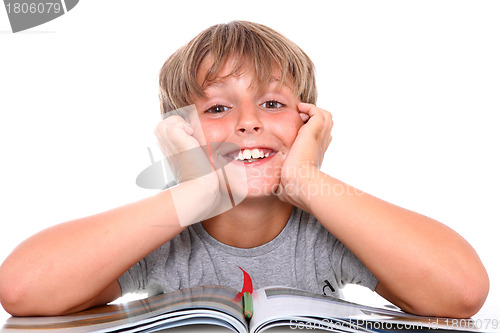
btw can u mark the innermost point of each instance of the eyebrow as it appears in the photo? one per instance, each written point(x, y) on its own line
point(217, 82)
point(222, 81)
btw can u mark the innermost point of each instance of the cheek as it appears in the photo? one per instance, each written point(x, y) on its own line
point(214, 131)
point(288, 125)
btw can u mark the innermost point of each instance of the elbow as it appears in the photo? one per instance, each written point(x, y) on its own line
point(465, 298)
point(460, 305)
point(472, 297)
point(13, 291)
point(12, 298)
point(19, 298)
point(459, 298)
point(17, 304)
point(13, 308)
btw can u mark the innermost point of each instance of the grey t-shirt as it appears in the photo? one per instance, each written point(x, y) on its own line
point(304, 256)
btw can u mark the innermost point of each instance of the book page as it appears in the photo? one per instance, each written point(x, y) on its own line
point(169, 309)
point(302, 310)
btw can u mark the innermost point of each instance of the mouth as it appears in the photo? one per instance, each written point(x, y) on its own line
point(250, 155)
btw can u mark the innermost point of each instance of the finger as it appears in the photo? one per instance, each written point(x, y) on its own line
point(317, 119)
point(303, 109)
point(168, 127)
point(170, 122)
point(322, 117)
point(305, 117)
point(311, 109)
point(174, 135)
point(189, 130)
point(320, 121)
point(190, 115)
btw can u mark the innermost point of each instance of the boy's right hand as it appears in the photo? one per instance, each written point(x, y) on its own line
point(182, 150)
point(202, 191)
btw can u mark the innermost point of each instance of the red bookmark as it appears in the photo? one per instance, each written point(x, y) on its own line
point(247, 284)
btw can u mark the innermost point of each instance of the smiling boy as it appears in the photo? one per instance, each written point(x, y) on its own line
point(297, 226)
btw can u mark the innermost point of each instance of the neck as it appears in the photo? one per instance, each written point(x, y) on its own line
point(252, 223)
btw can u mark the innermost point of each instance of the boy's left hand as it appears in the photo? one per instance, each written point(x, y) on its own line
point(306, 155)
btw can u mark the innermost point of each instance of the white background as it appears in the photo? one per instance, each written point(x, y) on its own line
point(413, 87)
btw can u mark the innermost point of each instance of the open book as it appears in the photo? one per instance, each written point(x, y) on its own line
point(216, 305)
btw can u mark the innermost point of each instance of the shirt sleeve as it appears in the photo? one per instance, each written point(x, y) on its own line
point(332, 258)
point(353, 271)
point(134, 279)
point(137, 279)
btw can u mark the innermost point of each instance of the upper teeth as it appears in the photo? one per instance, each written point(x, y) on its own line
point(247, 154)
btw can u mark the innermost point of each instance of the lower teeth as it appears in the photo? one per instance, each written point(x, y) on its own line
point(252, 159)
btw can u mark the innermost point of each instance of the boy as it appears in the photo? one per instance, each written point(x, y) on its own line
point(267, 207)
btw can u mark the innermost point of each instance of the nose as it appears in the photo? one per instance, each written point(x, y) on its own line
point(249, 121)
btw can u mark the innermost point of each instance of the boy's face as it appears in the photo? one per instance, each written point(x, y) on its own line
point(263, 123)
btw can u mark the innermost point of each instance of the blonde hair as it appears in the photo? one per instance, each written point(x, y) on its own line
point(249, 43)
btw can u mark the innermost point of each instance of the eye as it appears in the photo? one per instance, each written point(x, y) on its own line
point(272, 104)
point(217, 109)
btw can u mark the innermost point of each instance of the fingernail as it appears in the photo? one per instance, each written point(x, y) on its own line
point(304, 117)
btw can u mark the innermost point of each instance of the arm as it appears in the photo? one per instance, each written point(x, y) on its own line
point(422, 266)
point(75, 265)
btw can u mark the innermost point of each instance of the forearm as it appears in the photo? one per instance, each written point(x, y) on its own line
point(69, 264)
point(422, 265)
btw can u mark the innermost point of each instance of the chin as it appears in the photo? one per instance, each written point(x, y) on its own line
point(261, 189)
point(249, 184)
